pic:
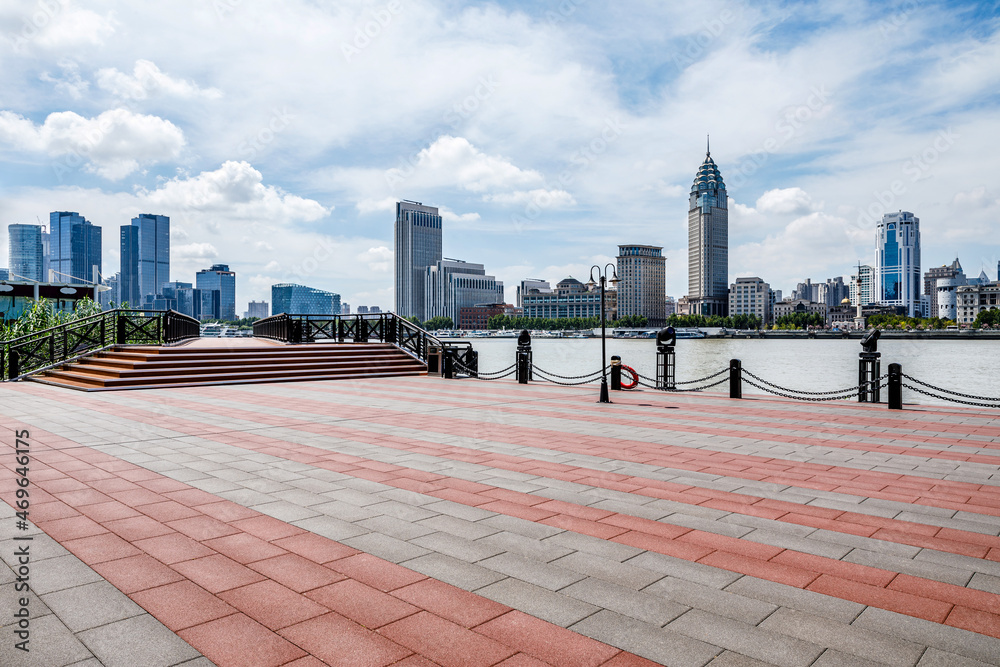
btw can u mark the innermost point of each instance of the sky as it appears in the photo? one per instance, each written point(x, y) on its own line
point(278, 136)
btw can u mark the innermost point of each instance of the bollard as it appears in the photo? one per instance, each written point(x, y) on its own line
point(448, 363)
point(523, 359)
point(735, 378)
point(869, 368)
point(14, 364)
point(665, 365)
point(616, 373)
point(895, 387)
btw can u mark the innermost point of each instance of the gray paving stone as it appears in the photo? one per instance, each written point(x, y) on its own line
point(985, 582)
point(137, 641)
point(91, 605)
point(843, 637)
point(949, 522)
point(467, 576)
point(409, 498)
point(246, 497)
point(345, 511)
point(401, 511)
point(353, 496)
point(958, 561)
point(937, 658)
point(393, 527)
point(594, 545)
point(285, 511)
point(943, 637)
point(513, 524)
point(50, 644)
point(783, 595)
point(532, 571)
point(330, 527)
point(470, 530)
point(537, 601)
point(706, 598)
point(685, 570)
point(834, 658)
point(925, 569)
point(459, 511)
point(623, 574)
point(626, 601)
point(867, 543)
point(745, 638)
point(804, 544)
point(456, 547)
point(539, 550)
point(649, 641)
point(55, 574)
point(384, 546)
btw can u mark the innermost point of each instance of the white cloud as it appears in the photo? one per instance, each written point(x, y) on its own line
point(447, 215)
point(194, 251)
point(454, 161)
point(366, 206)
point(56, 25)
point(377, 259)
point(235, 187)
point(540, 197)
point(70, 83)
point(794, 201)
point(147, 80)
point(113, 144)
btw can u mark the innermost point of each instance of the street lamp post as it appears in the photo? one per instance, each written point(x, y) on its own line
point(603, 277)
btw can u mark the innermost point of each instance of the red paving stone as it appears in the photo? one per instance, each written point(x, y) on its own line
point(239, 640)
point(446, 643)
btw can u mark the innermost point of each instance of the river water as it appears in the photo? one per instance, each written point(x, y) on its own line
point(970, 367)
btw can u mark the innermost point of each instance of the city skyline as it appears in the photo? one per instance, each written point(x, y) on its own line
point(577, 130)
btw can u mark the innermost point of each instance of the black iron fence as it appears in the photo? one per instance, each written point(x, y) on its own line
point(49, 347)
point(444, 358)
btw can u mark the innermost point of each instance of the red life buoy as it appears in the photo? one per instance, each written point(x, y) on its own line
point(635, 378)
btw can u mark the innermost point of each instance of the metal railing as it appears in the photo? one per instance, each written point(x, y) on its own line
point(43, 349)
point(444, 358)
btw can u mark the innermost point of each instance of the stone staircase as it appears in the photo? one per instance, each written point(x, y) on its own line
point(147, 367)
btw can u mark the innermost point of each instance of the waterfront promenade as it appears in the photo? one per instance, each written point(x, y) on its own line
point(418, 521)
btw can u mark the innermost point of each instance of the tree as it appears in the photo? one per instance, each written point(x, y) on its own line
point(985, 318)
point(439, 322)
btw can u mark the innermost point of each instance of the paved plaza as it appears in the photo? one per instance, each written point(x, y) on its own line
point(419, 521)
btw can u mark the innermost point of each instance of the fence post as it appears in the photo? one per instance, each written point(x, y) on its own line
point(448, 363)
point(895, 387)
point(120, 337)
point(735, 378)
point(14, 365)
point(616, 373)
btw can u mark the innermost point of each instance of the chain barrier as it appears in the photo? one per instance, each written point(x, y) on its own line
point(541, 374)
point(492, 375)
point(947, 398)
point(946, 391)
point(707, 386)
point(852, 394)
point(855, 388)
point(570, 377)
point(707, 377)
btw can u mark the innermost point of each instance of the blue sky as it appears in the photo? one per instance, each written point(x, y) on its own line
point(277, 136)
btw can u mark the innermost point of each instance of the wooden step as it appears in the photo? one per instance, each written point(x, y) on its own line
point(134, 367)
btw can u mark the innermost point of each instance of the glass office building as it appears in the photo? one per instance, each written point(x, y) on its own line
point(708, 242)
point(897, 278)
point(74, 247)
point(219, 278)
point(27, 257)
point(418, 247)
point(301, 300)
point(145, 256)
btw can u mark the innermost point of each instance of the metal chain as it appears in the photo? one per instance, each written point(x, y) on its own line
point(707, 386)
point(946, 391)
point(463, 367)
point(569, 377)
point(707, 377)
point(811, 393)
point(947, 398)
point(767, 390)
point(565, 384)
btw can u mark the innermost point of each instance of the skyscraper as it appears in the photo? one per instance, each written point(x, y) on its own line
point(897, 262)
point(27, 259)
point(452, 284)
point(643, 287)
point(74, 247)
point(145, 256)
point(708, 241)
point(418, 246)
point(219, 279)
point(301, 300)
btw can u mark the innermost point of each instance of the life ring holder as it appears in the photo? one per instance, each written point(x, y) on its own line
point(635, 378)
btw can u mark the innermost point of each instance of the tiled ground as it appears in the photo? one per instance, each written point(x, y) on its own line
point(419, 521)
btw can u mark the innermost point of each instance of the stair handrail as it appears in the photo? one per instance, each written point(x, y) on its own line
point(41, 350)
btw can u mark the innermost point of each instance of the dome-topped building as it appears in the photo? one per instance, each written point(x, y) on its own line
point(708, 241)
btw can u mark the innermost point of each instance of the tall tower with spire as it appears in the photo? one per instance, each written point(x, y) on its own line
point(708, 241)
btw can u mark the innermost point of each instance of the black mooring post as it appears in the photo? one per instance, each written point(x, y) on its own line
point(895, 387)
point(735, 378)
point(523, 359)
point(665, 366)
point(448, 366)
point(616, 373)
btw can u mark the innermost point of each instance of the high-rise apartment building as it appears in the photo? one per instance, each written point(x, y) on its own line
point(145, 257)
point(4, 274)
point(74, 247)
point(418, 247)
point(751, 296)
point(642, 286)
point(218, 278)
point(897, 262)
point(26, 252)
point(861, 286)
point(301, 300)
point(931, 277)
point(708, 242)
point(258, 309)
point(452, 284)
